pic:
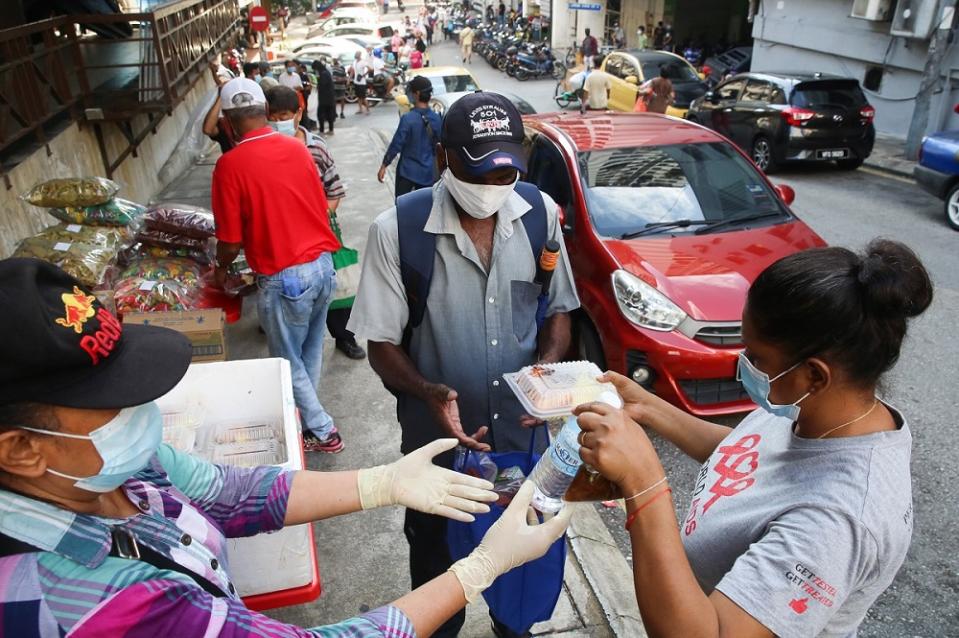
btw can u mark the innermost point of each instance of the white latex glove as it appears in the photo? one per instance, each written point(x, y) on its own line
point(415, 482)
point(510, 542)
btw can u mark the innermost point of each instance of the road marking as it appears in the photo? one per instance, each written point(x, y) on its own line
point(881, 173)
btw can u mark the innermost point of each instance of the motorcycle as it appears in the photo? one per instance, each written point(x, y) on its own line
point(540, 63)
point(376, 87)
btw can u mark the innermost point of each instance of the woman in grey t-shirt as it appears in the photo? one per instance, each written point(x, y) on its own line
point(801, 515)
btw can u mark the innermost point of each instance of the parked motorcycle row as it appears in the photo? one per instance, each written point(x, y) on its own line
point(510, 52)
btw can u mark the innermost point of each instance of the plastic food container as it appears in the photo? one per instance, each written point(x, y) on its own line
point(552, 390)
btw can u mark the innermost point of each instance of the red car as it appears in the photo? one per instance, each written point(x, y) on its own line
point(667, 224)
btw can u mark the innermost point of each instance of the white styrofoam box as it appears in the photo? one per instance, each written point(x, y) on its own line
point(253, 390)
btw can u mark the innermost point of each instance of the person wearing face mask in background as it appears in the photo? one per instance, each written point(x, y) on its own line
point(444, 356)
point(414, 141)
point(107, 531)
point(802, 514)
point(290, 252)
point(267, 81)
point(283, 112)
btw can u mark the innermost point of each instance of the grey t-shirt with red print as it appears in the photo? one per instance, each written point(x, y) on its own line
point(802, 534)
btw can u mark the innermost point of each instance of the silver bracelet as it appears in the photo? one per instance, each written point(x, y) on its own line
point(651, 487)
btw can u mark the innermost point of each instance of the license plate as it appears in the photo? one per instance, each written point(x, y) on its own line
point(838, 153)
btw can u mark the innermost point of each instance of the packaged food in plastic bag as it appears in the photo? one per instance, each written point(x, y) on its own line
point(181, 219)
point(86, 262)
point(116, 212)
point(138, 294)
point(478, 464)
point(72, 191)
point(165, 239)
point(138, 251)
point(160, 268)
point(110, 238)
point(507, 483)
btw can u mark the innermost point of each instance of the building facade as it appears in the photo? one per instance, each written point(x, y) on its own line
point(885, 49)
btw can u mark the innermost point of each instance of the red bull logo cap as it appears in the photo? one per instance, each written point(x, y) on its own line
point(486, 130)
point(66, 349)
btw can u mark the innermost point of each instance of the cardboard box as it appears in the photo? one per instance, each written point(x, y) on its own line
point(204, 329)
point(258, 390)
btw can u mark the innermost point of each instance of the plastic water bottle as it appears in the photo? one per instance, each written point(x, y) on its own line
point(557, 468)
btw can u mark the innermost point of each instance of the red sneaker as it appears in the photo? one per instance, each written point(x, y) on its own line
point(333, 444)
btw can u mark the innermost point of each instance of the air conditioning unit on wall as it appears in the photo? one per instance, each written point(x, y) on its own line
point(875, 10)
point(914, 18)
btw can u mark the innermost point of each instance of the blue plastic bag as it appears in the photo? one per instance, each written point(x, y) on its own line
point(527, 594)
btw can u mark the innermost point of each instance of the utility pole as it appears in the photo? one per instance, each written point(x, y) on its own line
point(931, 76)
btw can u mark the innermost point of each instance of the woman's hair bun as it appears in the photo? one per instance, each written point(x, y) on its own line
point(894, 281)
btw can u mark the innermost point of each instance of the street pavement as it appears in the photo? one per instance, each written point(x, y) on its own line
point(363, 556)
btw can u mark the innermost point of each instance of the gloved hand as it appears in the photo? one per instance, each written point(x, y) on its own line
point(510, 542)
point(414, 482)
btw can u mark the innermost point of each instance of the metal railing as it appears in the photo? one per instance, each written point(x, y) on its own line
point(127, 69)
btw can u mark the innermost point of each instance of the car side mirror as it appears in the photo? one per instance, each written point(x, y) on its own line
point(786, 193)
point(632, 79)
point(711, 97)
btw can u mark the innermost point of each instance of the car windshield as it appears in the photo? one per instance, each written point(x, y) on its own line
point(676, 70)
point(839, 93)
point(629, 188)
point(452, 84)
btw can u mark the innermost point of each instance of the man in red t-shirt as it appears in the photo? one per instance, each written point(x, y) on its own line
point(279, 218)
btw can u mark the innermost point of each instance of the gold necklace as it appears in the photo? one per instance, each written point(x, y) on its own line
point(857, 419)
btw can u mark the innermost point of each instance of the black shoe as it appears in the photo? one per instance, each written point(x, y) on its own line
point(350, 349)
point(342, 117)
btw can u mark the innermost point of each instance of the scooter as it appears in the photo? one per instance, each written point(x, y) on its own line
point(539, 64)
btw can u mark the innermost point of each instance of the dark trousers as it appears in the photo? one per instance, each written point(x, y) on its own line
point(429, 558)
point(326, 114)
point(404, 186)
point(336, 320)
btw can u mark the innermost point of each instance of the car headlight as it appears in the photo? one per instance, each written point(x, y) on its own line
point(644, 305)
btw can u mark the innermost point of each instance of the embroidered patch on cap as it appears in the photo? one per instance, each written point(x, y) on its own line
point(489, 120)
point(78, 307)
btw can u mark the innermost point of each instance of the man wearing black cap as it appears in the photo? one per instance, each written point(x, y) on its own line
point(415, 141)
point(448, 302)
point(107, 531)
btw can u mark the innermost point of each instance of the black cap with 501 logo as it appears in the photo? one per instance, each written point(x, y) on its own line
point(486, 130)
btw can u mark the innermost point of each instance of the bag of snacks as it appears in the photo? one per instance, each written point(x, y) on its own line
point(139, 251)
point(180, 219)
point(137, 294)
point(116, 212)
point(112, 239)
point(86, 262)
point(158, 268)
point(164, 239)
point(72, 192)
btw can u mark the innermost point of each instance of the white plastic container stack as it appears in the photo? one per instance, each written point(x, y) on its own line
point(242, 413)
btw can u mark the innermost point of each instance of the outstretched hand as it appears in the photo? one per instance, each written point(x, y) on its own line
point(444, 408)
point(415, 482)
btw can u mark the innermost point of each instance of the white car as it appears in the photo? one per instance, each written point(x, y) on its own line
point(334, 44)
point(378, 31)
point(342, 16)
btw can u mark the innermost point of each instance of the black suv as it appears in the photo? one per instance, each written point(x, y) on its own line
point(780, 117)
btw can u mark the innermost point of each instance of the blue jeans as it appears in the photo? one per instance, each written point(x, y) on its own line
point(292, 306)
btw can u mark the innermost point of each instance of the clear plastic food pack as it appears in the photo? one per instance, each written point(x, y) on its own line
point(140, 294)
point(554, 389)
point(247, 444)
point(72, 192)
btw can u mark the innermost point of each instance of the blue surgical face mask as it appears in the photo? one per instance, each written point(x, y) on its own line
point(284, 127)
point(257, 78)
point(289, 70)
point(126, 444)
point(757, 384)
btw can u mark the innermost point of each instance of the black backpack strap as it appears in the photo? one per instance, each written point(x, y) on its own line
point(417, 251)
point(124, 545)
point(534, 220)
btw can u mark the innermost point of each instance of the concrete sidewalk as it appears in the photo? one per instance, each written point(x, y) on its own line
point(363, 557)
point(888, 155)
